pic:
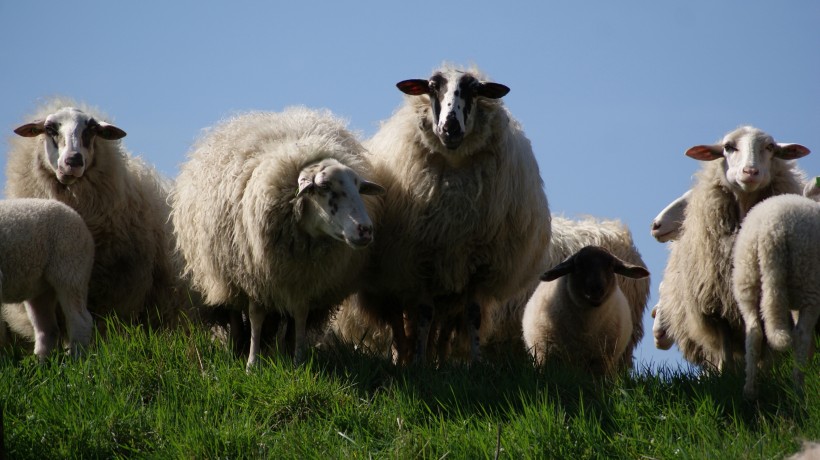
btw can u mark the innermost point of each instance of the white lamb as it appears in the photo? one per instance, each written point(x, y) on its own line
point(465, 211)
point(697, 304)
point(71, 155)
point(269, 218)
point(777, 273)
point(46, 255)
point(579, 314)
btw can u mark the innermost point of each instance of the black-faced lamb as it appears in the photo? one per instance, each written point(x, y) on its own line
point(269, 216)
point(46, 256)
point(777, 274)
point(74, 156)
point(579, 314)
point(696, 300)
point(465, 211)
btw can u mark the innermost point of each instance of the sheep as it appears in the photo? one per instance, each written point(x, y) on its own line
point(666, 225)
point(580, 315)
point(776, 272)
point(268, 216)
point(46, 257)
point(70, 154)
point(698, 307)
point(500, 327)
point(465, 209)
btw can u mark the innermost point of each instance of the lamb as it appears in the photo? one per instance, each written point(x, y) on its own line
point(72, 155)
point(269, 216)
point(777, 272)
point(698, 307)
point(465, 209)
point(47, 257)
point(580, 315)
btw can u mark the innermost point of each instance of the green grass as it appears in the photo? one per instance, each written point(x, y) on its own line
point(170, 395)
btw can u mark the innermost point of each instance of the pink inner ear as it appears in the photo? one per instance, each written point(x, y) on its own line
point(703, 153)
point(413, 87)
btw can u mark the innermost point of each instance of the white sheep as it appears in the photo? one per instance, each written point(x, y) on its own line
point(72, 155)
point(777, 273)
point(269, 219)
point(46, 256)
point(579, 314)
point(698, 308)
point(465, 211)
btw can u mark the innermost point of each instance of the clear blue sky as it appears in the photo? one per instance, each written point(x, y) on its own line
point(610, 93)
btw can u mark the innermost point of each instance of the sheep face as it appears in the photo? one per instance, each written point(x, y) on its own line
point(591, 275)
point(69, 140)
point(452, 96)
point(748, 154)
point(666, 225)
point(333, 206)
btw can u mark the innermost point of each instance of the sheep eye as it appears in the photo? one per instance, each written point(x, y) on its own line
point(51, 130)
point(770, 147)
point(730, 148)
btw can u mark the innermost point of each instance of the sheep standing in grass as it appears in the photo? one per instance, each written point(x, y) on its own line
point(698, 307)
point(579, 315)
point(776, 273)
point(46, 256)
point(269, 218)
point(465, 211)
point(72, 155)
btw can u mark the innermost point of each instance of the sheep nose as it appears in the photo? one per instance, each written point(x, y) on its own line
point(751, 171)
point(656, 225)
point(451, 125)
point(75, 160)
point(365, 233)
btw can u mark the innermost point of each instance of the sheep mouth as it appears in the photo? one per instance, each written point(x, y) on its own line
point(359, 243)
point(662, 237)
point(452, 142)
point(662, 340)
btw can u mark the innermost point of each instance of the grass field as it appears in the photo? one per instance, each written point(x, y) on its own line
point(170, 395)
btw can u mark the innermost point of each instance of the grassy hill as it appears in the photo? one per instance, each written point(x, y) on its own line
point(170, 395)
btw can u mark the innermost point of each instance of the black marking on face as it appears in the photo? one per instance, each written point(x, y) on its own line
point(89, 132)
point(467, 87)
point(437, 84)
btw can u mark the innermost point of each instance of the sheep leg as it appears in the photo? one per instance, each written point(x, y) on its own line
point(256, 317)
point(425, 320)
point(41, 311)
point(474, 325)
point(803, 344)
point(78, 321)
point(299, 339)
point(754, 346)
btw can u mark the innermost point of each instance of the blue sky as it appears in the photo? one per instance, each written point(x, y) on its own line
point(610, 93)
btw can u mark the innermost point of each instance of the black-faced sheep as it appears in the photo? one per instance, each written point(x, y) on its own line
point(777, 273)
point(269, 218)
point(579, 314)
point(698, 307)
point(72, 155)
point(46, 256)
point(465, 211)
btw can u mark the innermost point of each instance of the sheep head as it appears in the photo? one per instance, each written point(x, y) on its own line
point(666, 225)
point(330, 194)
point(452, 97)
point(591, 275)
point(69, 140)
point(748, 154)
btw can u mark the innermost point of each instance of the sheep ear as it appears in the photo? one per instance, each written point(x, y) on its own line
point(705, 152)
point(415, 87)
point(370, 188)
point(492, 90)
point(305, 185)
point(108, 131)
point(791, 151)
point(562, 269)
point(630, 271)
point(32, 129)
